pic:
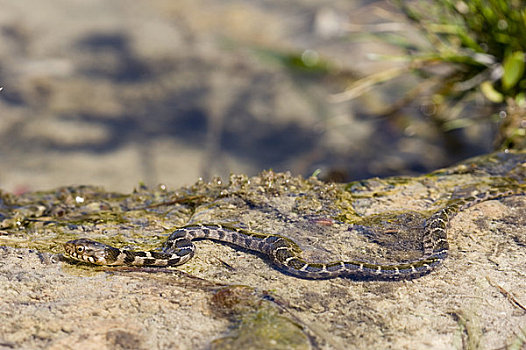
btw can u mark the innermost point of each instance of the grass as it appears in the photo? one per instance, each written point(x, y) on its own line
point(470, 49)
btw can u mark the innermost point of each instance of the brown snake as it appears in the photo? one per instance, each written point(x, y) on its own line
point(283, 252)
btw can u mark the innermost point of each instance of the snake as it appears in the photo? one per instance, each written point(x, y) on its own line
point(284, 253)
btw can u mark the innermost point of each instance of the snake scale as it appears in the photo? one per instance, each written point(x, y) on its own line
point(283, 252)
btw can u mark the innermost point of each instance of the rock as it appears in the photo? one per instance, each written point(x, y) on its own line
point(226, 298)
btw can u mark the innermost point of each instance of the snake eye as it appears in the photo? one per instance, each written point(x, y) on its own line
point(80, 249)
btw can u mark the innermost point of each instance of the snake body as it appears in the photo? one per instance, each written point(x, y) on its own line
point(283, 252)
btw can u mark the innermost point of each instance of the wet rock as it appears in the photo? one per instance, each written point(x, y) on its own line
point(230, 298)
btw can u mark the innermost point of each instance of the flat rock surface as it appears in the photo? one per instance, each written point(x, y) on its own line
point(226, 298)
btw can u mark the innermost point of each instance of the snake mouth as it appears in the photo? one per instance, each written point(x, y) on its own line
point(69, 251)
point(77, 250)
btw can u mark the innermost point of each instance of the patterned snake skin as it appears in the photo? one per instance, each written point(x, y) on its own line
point(283, 252)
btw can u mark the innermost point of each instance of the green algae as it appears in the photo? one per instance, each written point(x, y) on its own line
point(304, 210)
point(264, 329)
point(257, 322)
point(519, 341)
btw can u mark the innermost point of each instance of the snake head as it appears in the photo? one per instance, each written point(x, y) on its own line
point(86, 250)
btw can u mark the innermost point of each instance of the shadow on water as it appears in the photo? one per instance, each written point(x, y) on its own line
point(183, 112)
point(177, 114)
point(122, 65)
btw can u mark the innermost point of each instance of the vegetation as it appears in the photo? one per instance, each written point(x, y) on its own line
point(483, 39)
point(482, 45)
